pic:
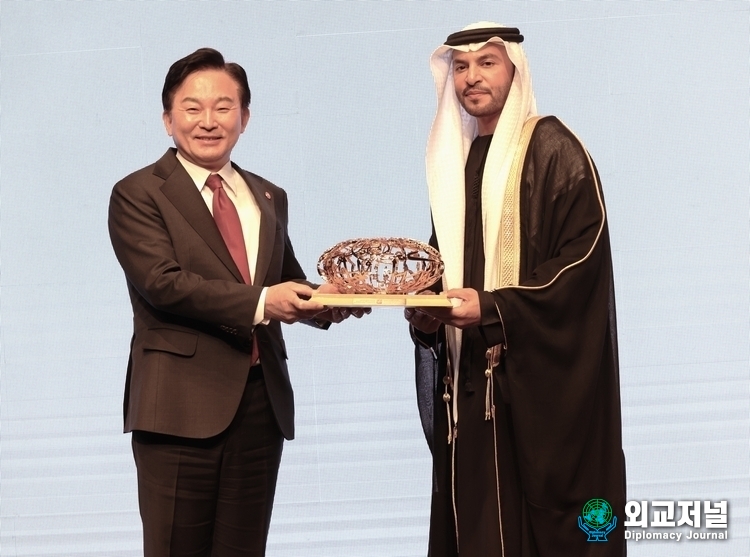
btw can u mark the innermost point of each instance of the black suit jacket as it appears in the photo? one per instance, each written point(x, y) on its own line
point(192, 313)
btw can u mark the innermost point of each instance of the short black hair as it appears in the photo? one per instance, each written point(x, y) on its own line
point(202, 59)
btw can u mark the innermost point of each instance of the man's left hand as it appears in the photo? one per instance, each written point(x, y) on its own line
point(337, 315)
point(465, 313)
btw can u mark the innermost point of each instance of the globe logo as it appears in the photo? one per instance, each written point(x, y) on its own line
point(597, 513)
point(597, 520)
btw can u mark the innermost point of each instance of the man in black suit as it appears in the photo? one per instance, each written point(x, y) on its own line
point(211, 272)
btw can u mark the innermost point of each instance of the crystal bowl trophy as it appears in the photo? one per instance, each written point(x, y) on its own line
point(372, 272)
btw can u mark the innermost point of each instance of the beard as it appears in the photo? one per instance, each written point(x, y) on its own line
point(490, 104)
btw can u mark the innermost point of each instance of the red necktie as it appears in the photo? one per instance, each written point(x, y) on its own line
point(228, 221)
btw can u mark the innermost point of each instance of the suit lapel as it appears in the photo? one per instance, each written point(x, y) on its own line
point(267, 236)
point(180, 189)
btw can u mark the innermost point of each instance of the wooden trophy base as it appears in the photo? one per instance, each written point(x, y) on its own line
point(382, 300)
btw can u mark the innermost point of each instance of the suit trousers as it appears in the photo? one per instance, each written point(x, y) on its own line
point(211, 497)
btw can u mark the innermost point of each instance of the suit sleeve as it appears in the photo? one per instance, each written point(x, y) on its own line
point(144, 246)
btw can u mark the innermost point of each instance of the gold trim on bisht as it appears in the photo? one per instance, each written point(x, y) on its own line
point(510, 243)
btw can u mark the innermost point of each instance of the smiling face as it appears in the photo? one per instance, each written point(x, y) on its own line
point(206, 118)
point(482, 80)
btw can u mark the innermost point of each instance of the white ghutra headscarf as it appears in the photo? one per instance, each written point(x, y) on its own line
point(451, 135)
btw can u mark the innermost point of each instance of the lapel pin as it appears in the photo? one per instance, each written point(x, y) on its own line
point(268, 195)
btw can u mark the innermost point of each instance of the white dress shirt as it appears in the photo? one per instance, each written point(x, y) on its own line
point(247, 209)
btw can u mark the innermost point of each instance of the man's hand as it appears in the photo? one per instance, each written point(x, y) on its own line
point(465, 312)
point(290, 301)
point(337, 315)
point(421, 321)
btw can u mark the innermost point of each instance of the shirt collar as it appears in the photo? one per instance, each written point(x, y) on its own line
point(200, 174)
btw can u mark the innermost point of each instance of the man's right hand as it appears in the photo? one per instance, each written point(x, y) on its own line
point(421, 321)
point(289, 302)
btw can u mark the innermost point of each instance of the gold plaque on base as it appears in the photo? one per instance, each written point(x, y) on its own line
point(382, 300)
